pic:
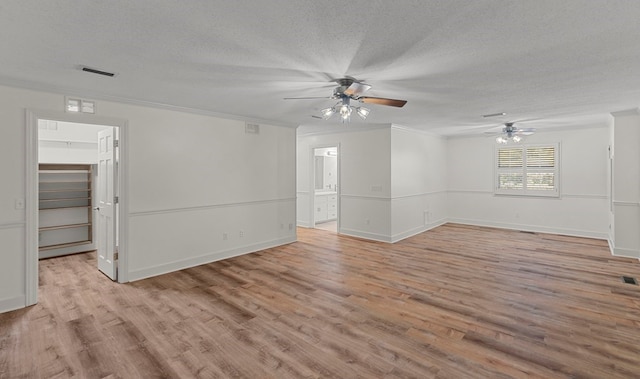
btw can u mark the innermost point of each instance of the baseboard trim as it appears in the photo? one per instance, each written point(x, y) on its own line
point(412, 232)
point(365, 235)
point(11, 304)
point(303, 224)
point(623, 253)
point(611, 246)
point(66, 251)
point(207, 258)
point(532, 228)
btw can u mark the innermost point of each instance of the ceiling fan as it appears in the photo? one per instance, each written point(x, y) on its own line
point(351, 89)
point(510, 133)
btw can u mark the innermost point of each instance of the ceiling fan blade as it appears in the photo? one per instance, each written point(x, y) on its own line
point(520, 121)
point(383, 101)
point(355, 89)
point(306, 98)
point(525, 131)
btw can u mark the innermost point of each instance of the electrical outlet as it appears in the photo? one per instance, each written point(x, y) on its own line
point(241, 233)
point(225, 236)
point(19, 203)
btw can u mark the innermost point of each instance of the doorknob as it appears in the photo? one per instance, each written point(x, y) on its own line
point(96, 208)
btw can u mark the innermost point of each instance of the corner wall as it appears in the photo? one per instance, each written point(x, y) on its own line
point(625, 204)
point(364, 192)
point(392, 181)
point(582, 208)
point(418, 182)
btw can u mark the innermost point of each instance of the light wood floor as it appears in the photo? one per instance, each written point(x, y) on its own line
point(331, 226)
point(454, 302)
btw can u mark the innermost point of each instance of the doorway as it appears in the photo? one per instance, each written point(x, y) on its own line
point(326, 178)
point(75, 165)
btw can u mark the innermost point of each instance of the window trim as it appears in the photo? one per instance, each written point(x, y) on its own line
point(527, 192)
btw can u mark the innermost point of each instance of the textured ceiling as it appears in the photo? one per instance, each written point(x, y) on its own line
point(563, 62)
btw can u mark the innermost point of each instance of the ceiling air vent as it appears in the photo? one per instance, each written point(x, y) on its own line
point(629, 280)
point(494, 114)
point(96, 71)
point(252, 128)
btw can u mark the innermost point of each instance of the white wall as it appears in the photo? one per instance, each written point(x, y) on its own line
point(582, 208)
point(418, 182)
point(191, 179)
point(194, 178)
point(365, 179)
point(393, 181)
point(625, 234)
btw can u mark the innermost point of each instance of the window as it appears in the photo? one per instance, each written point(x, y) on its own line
point(530, 170)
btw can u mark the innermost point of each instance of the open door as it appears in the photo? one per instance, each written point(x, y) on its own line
point(106, 220)
point(326, 187)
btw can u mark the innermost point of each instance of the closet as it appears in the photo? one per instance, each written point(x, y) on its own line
point(65, 208)
point(68, 157)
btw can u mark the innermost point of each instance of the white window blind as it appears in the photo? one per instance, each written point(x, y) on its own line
point(527, 170)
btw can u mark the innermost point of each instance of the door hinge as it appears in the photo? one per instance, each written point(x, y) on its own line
point(116, 199)
point(115, 256)
point(116, 143)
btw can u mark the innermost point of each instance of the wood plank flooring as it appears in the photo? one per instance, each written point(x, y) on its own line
point(455, 302)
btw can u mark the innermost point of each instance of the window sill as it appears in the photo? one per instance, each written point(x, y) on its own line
point(530, 195)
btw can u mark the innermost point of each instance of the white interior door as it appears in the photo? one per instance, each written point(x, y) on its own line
point(106, 220)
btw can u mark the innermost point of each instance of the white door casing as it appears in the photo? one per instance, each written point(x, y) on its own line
point(312, 183)
point(106, 220)
point(31, 193)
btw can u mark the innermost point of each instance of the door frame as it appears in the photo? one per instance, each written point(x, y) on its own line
point(31, 190)
point(312, 183)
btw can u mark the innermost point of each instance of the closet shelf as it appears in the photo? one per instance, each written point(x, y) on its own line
point(69, 226)
point(67, 244)
point(75, 206)
point(67, 141)
point(63, 182)
point(64, 190)
point(65, 199)
point(64, 171)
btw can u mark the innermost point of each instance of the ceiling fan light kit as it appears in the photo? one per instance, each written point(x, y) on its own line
point(350, 89)
point(506, 139)
point(512, 134)
point(362, 112)
point(344, 109)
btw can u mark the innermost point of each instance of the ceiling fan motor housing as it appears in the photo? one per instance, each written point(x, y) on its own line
point(509, 129)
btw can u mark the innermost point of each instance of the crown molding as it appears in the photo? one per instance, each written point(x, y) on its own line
point(419, 131)
point(75, 92)
point(333, 129)
point(626, 112)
